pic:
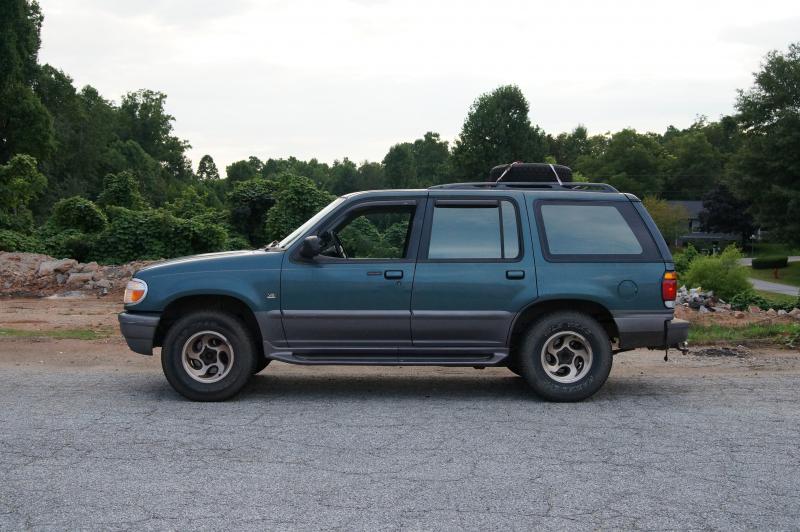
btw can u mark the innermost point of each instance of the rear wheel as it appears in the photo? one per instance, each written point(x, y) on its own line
point(261, 363)
point(565, 356)
point(208, 356)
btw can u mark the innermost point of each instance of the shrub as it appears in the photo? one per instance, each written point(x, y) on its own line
point(744, 299)
point(684, 258)
point(154, 234)
point(70, 243)
point(15, 241)
point(237, 242)
point(722, 273)
point(121, 190)
point(769, 263)
point(80, 214)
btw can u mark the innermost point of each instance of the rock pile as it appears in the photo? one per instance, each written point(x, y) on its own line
point(696, 299)
point(32, 274)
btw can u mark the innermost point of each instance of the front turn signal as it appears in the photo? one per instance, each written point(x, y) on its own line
point(135, 291)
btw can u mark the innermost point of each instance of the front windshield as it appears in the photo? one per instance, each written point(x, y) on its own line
point(289, 240)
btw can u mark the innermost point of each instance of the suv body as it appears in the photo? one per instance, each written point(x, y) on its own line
point(457, 275)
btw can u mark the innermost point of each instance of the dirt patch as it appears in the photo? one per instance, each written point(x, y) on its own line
point(722, 351)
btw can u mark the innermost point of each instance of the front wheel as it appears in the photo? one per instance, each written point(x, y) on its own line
point(208, 356)
point(565, 356)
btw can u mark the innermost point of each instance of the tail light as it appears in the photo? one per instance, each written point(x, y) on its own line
point(669, 288)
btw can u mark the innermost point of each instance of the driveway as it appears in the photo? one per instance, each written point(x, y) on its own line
point(777, 288)
point(93, 438)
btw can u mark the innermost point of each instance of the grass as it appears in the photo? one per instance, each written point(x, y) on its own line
point(59, 334)
point(781, 299)
point(789, 275)
point(779, 333)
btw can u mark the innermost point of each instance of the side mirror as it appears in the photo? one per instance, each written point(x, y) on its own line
point(311, 247)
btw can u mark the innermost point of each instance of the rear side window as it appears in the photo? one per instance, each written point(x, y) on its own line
point(582, 230)
point(479, 230)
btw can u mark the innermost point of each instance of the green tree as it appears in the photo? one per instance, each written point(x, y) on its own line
point(497, 130)
point(249, 202)
point(768, 165)
point(121, 190)
point(400, 166)
point(432, 160)
point(628, 160)
point(78, 213)
point(20, 182)
point(241, 171)
point(207, 170)
point(297, 200)
point(672, 220)
point(692, 165)
point(567, 147)
point(723, 212)
point(343, 177)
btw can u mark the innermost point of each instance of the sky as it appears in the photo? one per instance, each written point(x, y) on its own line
point(350, 78)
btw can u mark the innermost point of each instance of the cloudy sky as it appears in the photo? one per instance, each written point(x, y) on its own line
point(337, 78)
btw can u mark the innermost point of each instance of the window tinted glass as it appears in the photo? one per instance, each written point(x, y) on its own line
point(588, 230)
point(473, 232)
point(378, 233)
point(510, 235)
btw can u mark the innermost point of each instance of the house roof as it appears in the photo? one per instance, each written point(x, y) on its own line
point(693, 207)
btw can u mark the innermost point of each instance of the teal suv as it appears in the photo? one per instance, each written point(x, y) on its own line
point(550, 280)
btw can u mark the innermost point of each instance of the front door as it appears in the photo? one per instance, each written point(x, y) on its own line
point(474, 274)
point(356, 296)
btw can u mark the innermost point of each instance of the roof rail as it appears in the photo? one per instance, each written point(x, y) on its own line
point(573, 186)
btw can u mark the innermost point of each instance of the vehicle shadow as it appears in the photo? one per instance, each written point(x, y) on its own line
point(339, 387)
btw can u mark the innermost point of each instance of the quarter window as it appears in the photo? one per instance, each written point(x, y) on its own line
point(589, 229)
point(482, 230)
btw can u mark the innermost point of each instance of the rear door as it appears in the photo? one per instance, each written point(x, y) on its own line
point(474, 272)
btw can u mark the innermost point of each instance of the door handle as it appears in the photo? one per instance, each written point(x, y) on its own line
point(515, 274)
point(393, 274)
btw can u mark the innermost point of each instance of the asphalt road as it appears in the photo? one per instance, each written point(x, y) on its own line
point(88, 448)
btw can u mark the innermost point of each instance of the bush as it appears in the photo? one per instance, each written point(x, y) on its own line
point(80, 214)
point(769, 263)
point(237, 242)
point(684, 258)
point(722, 273)
point(154, 234)
point(15, 241)
point(70, 243)
point(744, 299)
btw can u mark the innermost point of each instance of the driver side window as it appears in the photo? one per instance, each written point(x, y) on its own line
point(372, 233)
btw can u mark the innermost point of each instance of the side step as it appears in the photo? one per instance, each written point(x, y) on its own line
point(392, 359)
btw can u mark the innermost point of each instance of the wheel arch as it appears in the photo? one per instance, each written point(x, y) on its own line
point(540, 308)
point(221, 302)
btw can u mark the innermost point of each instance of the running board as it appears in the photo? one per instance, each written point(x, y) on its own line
point(392, 359)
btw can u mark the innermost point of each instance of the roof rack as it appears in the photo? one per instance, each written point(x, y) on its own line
point(573, 186)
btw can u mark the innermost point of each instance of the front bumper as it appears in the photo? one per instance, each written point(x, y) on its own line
point(139, 330)
point(656, 331)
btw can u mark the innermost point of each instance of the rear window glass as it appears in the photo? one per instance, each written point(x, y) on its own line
point(474, 232)
point(590, 229)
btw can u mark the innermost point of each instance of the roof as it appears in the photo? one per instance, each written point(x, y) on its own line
point(693, 207)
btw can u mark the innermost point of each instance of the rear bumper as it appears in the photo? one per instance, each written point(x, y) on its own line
point(139, 331)
point(657, 331)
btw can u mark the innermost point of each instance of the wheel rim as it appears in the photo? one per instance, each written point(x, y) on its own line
point(207, 357)
point(566, 357)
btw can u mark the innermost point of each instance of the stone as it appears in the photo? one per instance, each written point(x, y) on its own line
point(703, 310)
point(103, 283)
point(48, 267)
point(79, 278)
point(771, 312)
point(794, 312)
point(61, 278)
point(738, 314)
point(753, 309)
point(90, 267)
point(782, 312)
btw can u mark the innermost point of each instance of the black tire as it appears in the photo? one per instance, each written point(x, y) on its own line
point(242, 365)
point(533, 369)
point(513, 367)
point(260, 364)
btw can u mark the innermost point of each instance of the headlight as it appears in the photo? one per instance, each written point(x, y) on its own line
point(135, 291)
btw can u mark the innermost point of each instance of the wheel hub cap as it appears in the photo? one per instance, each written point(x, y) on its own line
point(566, 357)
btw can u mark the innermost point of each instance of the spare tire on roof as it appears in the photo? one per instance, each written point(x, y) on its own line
point(531, 173)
